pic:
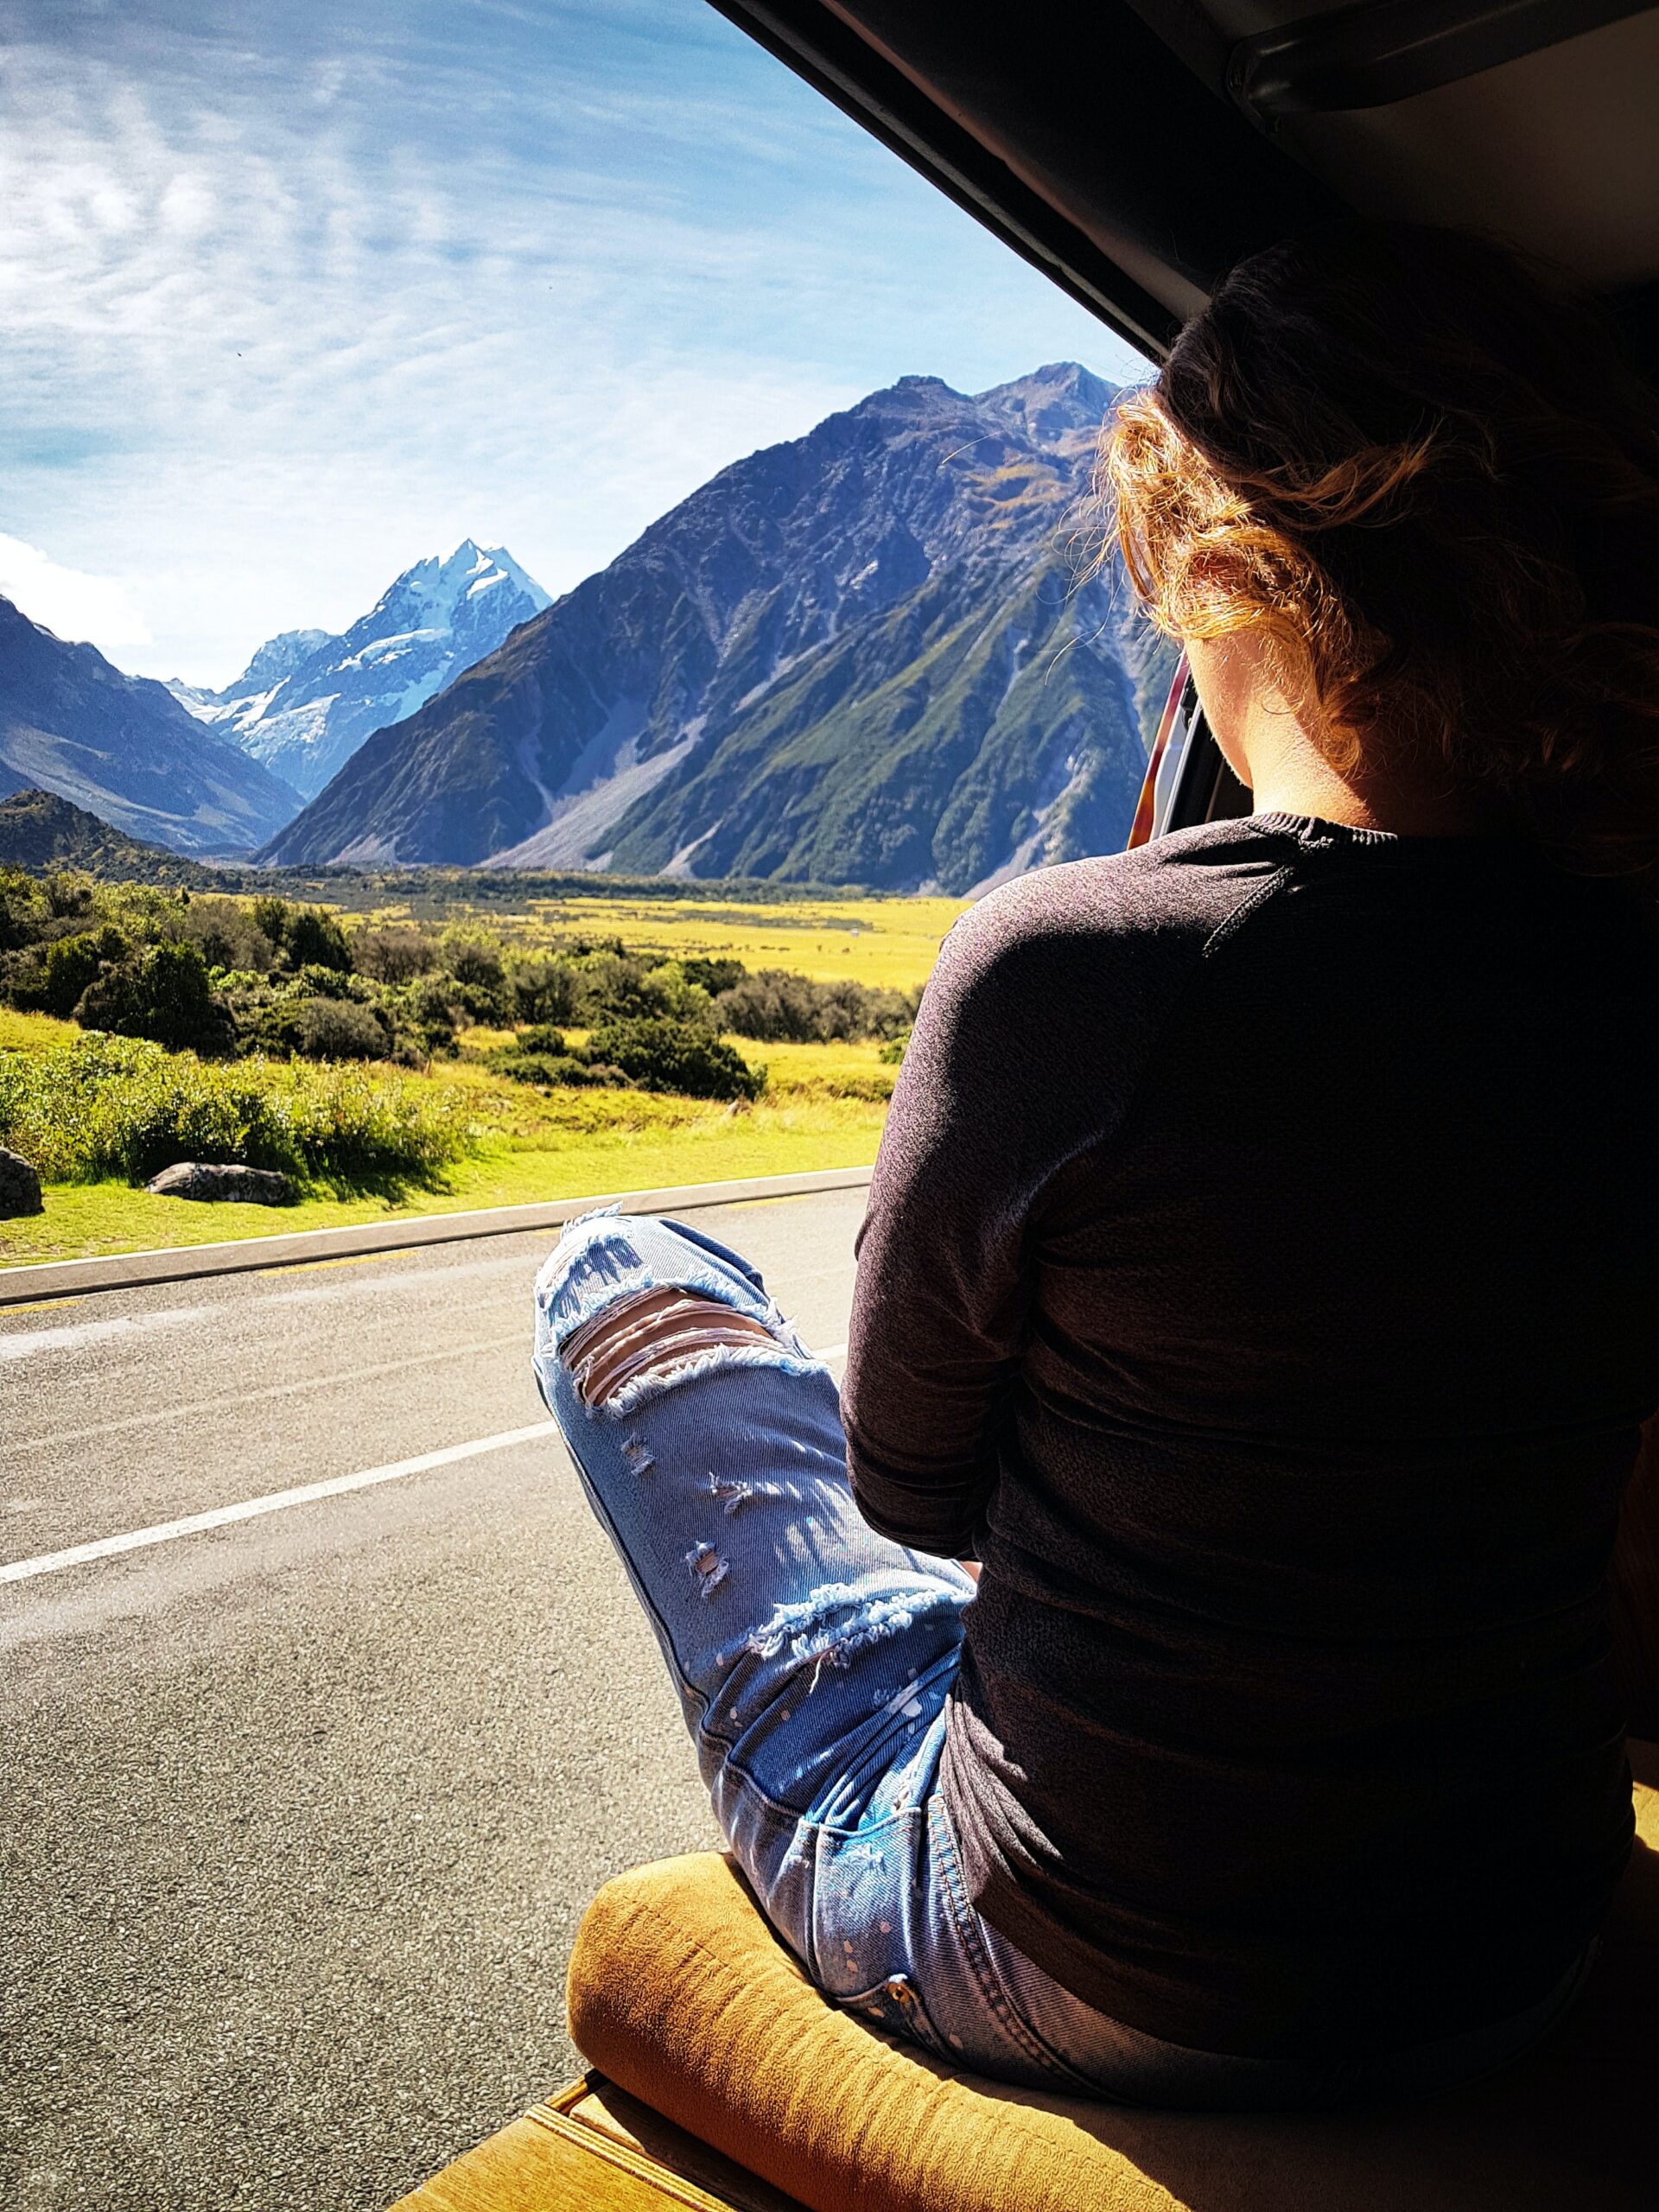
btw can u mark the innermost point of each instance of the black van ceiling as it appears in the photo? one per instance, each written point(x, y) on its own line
point(1134, 149)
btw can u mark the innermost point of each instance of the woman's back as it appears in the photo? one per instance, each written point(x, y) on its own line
point(1285, 1193)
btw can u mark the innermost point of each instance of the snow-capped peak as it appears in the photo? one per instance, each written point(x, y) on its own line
point(309, 699)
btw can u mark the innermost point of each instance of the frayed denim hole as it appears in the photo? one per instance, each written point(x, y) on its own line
point(656, 1382)
point(708, 1570)
point(837, 1620)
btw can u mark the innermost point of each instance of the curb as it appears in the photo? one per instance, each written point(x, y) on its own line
point(130, 1271)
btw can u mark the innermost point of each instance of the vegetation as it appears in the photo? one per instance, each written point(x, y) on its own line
point(105, 1106)
point(535, 1053)
point(38, 830)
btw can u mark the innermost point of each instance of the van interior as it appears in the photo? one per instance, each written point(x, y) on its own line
point(1132, 150)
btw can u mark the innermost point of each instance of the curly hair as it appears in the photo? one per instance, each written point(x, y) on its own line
point(1430, 480)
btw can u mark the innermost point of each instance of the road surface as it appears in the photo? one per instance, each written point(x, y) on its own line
point(301, 1811)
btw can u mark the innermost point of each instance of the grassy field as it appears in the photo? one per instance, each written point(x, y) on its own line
point(824, 1106)
point(887, 942)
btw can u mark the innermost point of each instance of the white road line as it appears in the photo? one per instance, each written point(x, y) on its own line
point(70, 1335)
point(230, 1405)
point(275, 1501)
point(278, 1500)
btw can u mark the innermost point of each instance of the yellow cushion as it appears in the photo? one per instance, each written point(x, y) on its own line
point(680, 1993)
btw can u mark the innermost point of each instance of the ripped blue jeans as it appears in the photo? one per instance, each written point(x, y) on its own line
point(813, 1659)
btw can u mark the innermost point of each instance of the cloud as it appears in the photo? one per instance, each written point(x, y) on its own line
point(295, 295)
point(67, 601)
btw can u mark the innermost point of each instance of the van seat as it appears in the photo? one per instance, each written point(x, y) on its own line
point(680, 1993)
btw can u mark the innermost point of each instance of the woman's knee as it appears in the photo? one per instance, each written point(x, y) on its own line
point(627, 1306)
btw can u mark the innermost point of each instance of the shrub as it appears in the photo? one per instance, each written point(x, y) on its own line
point(339, 1029)
point(270, 918)
point(162, 994)
point(895, 1050)
point(662, 1055)
point(115, 1106)
point(227, 933)
point(72, 962)
point(427, 1008)
point(713, 976)
point(312, 937)
point(544, 988)
point(314, 981)
point(472, 957)
point(552, 1069)
point(22, 909)
point(540, 1037)
point(784, 1009)
point(393, 955)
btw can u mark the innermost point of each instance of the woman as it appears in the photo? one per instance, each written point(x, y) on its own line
point(1258, 1281)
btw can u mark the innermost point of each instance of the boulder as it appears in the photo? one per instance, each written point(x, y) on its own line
point(19, 1187)
point(202, 1179)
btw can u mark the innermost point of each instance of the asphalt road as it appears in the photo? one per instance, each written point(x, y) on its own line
point(300, 1814)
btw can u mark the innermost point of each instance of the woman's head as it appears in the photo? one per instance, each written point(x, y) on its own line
point(1428, 487)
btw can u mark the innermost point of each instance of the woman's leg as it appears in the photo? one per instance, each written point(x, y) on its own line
point(812, 1658)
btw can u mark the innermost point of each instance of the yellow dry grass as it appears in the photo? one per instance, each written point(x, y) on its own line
point(892, 943)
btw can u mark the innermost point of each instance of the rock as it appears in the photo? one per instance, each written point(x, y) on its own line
point(201, 1178)
point(19, 1187)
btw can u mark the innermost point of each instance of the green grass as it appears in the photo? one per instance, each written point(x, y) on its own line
point(529, 1148)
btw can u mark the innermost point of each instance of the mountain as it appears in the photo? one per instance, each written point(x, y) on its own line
point(123, 748)
point(40, 831)
point(307, 699)
point(863, 656)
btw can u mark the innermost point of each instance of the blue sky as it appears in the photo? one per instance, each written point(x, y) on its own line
point(295, 293)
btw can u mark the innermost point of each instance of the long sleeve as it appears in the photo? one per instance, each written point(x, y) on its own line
point(939, 1309)
point(1029, 1043)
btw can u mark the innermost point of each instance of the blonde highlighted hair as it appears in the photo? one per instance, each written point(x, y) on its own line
point(1432, 484)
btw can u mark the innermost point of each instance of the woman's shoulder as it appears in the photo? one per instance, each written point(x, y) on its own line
point(1182, 887)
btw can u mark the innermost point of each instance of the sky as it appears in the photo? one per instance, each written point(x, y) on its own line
point(295, 293)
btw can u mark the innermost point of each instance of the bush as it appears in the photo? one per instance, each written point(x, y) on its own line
point(162, 994)
point(313, 938)
point(549, 1071)
point(338, 1029)
point(540, 1037)
point(661, 1055)
point(393, 955)
point(428, 1010)
point(544, 988)
point(22, 909)
point(72, 962)
point(713, 976)
point(226, 931)
point(113, 1106)
point(472, 957)
point(784, 1009)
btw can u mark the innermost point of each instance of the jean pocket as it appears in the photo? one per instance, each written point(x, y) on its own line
point(898, 2005)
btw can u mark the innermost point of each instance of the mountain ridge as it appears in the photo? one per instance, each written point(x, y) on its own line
point(821, 663)
point(122, 748)
point(40, 831)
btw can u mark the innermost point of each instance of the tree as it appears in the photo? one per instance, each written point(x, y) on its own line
point(163, 995)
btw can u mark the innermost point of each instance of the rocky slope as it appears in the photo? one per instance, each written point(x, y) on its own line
point(307, 699)
point(863, 656)
point(123, 748)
